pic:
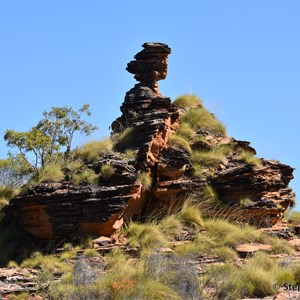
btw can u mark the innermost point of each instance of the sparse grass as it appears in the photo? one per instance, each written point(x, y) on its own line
point(51, 172)
point(146, 180)
point(93, 150)
point(86, 176)
point(250, 159)
point(91, 253)
point(107, 171)
point(200, 118)
point(188, 100)
point(179, 140)
point(49, 262)
point(21, 296)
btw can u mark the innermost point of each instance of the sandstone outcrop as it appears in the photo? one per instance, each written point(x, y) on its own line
point(147, 123)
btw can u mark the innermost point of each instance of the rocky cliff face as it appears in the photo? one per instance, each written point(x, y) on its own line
point(256, 188)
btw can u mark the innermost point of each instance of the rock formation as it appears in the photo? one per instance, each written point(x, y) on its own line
point(148, 121)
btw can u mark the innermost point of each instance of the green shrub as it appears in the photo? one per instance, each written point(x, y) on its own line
point(94, 150)
point(188, 100)
point(51, 172)
point(107, 171)
point(85, 176)
point(200, 118)
point(146, 180)
point(180, 141)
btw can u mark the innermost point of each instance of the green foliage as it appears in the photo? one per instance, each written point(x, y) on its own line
point(188, 100)
point(50, 172)
point(146, 180)
point(93, 150)
point(180, 141)
point(33, 141)
point(107, 171)
point(200, 118)
point(85, 176)
point(250, 159)
point(44, 140)
point(61, 123)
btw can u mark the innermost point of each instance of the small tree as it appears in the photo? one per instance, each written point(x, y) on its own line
point(60, 124)
point(45, 140)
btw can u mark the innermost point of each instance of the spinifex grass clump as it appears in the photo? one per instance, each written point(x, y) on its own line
point(200, 118)
point(51, 172)
point(93, 150)
point(85, 176)
point(188, 100)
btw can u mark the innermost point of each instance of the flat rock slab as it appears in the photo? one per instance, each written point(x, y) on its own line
point(252, 247)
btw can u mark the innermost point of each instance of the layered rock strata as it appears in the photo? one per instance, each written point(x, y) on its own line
point(148, 120)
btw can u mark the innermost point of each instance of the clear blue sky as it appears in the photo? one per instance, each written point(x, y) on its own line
point(241, 57)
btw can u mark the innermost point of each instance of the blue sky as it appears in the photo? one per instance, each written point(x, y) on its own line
point(241, 57)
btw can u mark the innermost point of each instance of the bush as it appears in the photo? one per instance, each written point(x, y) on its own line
point(188, 100)
point(107, 171)
point(145, 180)
point(93, 150)
point(51, 172)
point(200, 118)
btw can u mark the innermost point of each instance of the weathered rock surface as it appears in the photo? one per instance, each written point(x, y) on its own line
point(61, 209)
